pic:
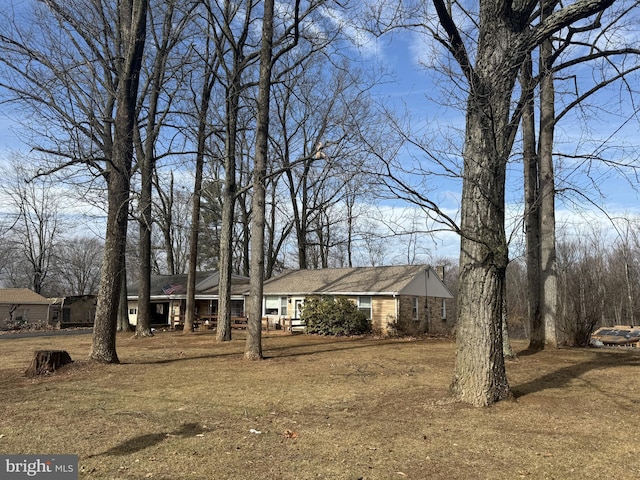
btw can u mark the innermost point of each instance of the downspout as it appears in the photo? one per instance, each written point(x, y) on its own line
point(426, 300)
point(395, 297)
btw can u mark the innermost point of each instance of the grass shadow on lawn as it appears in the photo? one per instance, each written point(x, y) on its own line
point(322, 347)
point(142, 442)
point(561, 377)
point(272, 351)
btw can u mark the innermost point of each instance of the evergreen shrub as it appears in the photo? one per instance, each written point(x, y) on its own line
point(324, 315)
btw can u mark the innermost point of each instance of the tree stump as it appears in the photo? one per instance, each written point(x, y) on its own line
point(47, 361)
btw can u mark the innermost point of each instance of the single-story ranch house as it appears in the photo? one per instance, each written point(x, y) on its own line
point(410, 294)
point(405, 294)
point(21, 306)
point(169, 299)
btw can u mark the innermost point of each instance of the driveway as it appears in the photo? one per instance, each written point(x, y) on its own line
point(45, 333)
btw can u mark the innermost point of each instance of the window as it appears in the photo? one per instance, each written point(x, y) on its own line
point(443, 309)
point(415, 308)
point(283, 306)
point(364, 305)
point(237, 308)
point(271, 305)
point(133, 311)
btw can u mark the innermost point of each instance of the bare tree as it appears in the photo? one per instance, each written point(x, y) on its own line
point(35, 228)
point(253, 347)
point(131, 25)
point(76, 68)
point(555, 66)
point(155, 99)
point(318, 144)
point(202, 106)
point(230, 32)
point(78, 265)
point(504, 38)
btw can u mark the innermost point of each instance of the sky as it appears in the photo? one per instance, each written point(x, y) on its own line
point(590, 194)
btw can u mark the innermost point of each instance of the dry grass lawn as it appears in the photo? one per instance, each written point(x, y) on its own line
point(185, 407)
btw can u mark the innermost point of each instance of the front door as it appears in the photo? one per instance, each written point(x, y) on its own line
point(298, 303)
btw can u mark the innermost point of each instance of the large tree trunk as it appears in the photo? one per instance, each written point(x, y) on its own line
point(228, 204)
point(505, 38)
point(548, 268)
point(194, 234)
point(105, 325)
point(253, 347)
point(480, 377)
point(123, 304)
point(143, 325)
point(132, 23)
point(532, 211)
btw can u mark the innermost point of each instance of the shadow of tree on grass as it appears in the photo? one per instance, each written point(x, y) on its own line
point(563, 376)
point(142, 442)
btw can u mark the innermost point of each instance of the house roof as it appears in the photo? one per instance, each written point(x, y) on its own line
point(168, 284)
point(176, 285)
point(417, 280)
point(239, 286)
point(21, 296)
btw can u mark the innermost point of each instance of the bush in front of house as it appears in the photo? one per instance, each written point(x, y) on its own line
point(325, 315)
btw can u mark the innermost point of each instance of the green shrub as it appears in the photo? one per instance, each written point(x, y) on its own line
point(325, 315)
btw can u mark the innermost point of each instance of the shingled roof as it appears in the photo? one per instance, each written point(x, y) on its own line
point(21, 296)
point(386, 280)
point(176, 285)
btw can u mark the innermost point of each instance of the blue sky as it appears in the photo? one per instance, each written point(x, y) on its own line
point(608, 127)
point(411, 94)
